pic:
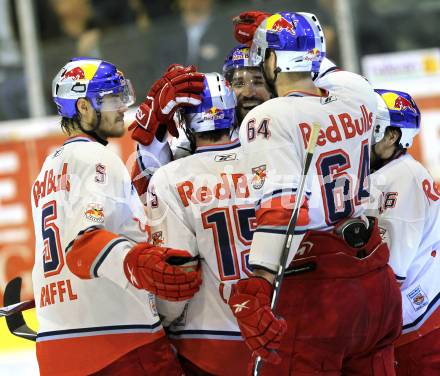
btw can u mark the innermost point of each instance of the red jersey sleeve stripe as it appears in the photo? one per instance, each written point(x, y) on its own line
point(277, 212)
point(89, 250)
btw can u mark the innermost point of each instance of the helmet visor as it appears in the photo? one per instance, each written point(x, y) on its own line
point(121, 98)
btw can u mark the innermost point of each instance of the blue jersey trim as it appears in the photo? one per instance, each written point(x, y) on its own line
point(279, 231)
point(230, 145)
point(97, 263)
point(77, 139)
point(101, 330)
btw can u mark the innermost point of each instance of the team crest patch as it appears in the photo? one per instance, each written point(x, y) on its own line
point(259, 176)
point(100, 175)
point(418, 298)
point(95, 213)
point(157, 238)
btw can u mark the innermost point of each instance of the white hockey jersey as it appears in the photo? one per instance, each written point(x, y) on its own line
point(202, 203)
point(407, 203)
point(86, 324)
point(274, 138)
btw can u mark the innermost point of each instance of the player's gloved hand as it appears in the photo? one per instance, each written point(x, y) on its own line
point(169, 273)
point(250, 303)
point(245, 25)
point(178, 87)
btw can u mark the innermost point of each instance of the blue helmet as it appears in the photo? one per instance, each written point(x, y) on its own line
point(92, 79)
point(396, 109)
point(217, 110)
point(296, 38)
point(237, 58)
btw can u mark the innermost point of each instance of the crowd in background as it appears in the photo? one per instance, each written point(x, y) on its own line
point(144, 37)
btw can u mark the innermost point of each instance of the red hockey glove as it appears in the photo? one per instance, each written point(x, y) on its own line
point(245, 25)
point(178, 87)
point(262, 331)
point(162, 272)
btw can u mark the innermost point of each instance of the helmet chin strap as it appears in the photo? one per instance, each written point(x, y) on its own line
point(92, 132)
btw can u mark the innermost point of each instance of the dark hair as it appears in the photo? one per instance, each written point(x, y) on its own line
point(214, 135)
point(394, 129)
point(69, 125)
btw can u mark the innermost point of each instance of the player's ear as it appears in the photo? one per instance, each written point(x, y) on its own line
point(270, 63)
point(392, 135)
point(86, 113)
point(82, 106)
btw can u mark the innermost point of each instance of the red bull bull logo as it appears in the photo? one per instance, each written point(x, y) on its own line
point(214, 113)
point(403, 104)
point(278, 23)
point(76, 73)
point(397, 102)
point(313, 55)
point(85, 71)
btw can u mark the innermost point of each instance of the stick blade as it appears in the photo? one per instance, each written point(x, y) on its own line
point(14, 308)
point(15, 321)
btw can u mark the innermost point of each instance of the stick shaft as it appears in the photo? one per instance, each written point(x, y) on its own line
point(291, 227)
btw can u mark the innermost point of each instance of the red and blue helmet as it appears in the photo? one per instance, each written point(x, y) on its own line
point(296, 38)
point(396, 109)
point(92, 79)
point(237, 58)
point(217, 110)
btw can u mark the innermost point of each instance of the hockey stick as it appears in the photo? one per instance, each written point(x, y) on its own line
point(18, 307)
point(291, 227)
point(14, 319)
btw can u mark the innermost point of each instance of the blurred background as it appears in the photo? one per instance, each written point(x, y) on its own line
point(394, 43)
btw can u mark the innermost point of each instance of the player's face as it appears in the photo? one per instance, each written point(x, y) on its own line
point(250, 89)
point(112, 117)
point(384, 149)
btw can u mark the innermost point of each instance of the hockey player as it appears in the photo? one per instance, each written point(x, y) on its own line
point(152, 152)
point(407, 202)
point(94, 314)
point(247, 81)
point(340, 307)
point(203, 203)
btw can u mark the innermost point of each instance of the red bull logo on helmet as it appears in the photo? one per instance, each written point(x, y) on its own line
point(278, 23)
point(214, 113)
point(397, 102)
point(242, 54)
point(75, 74)
point(81, 72)
point(313, 55)
point(404, 104)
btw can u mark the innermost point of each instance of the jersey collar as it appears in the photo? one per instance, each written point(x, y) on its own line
point(219, 147)
point(85, 138)
point(295, 93)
